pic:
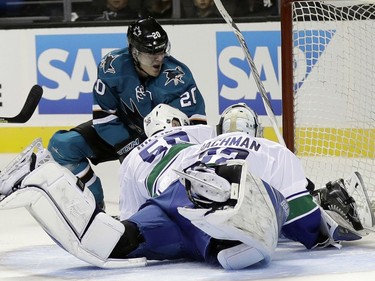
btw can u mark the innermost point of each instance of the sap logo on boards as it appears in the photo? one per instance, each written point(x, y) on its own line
point(67, 69)
point(235, 77)
point(309, 45)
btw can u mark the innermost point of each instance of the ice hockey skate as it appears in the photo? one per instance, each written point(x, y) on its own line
point(29, 159)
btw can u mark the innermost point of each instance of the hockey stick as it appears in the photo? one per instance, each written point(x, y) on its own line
point(256, 75)
point(29, 107)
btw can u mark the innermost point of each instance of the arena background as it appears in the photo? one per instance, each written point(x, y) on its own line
point(64, 62)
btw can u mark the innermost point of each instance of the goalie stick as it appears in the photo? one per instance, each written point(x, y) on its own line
point(256, 75)
point(28, 108)
point(357, 189)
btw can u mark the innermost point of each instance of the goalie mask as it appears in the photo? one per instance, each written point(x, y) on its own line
point(164, 116)
point(240, 118)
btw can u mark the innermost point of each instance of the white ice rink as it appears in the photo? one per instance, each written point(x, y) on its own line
point(27, 254)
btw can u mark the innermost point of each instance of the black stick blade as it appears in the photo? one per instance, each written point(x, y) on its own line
point(28, 108)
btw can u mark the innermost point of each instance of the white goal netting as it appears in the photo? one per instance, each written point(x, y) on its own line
point(334, 89)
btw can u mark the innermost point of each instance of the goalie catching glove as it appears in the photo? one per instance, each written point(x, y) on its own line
point(340, 218)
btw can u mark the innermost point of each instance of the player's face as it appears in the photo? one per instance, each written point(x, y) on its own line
point(175, 122)
point(151, 63)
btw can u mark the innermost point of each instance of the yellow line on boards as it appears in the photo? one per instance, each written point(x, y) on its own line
point(310, 141)
point(15, 139)
point(343, 142)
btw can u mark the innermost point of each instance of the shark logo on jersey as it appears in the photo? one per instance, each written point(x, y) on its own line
point(106, 64)
point(134, 118)
point(174, 75)
point(140, 93)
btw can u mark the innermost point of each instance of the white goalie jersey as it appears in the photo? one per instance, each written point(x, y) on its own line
point(139, 178)
point(272, 163)
point(146, 172)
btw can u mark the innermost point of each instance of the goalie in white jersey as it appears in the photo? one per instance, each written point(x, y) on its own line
point(165, 128)
point(234, 194)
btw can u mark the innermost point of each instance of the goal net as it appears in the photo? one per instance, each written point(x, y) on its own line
point(328, 61)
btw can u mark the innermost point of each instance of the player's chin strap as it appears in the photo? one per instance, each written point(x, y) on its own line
point(138, 64)
point(246, 214)
point(144, 71)
point(68, 214)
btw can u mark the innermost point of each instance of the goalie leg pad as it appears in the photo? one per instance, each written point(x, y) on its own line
point(239, 257)
point(60, 185)
point(253, 220)
point(102, 226)
point(20, 198)
point(102, 235)
point(69, 216)
point(30, 158)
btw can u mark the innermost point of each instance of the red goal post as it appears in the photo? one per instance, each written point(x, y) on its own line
point(328, 87)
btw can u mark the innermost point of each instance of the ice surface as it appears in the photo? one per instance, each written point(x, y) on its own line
point(27, 253)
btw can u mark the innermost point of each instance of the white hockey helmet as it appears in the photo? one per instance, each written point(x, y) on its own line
point(164, 116)
point(240, 118)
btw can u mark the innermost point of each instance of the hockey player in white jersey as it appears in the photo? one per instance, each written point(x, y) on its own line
point(163, 228)
point(234, 194)
point(165, 128)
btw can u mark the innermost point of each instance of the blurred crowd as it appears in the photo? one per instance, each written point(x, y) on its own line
point(105, 10)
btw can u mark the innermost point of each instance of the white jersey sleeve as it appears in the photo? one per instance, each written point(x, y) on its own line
point(138, 176)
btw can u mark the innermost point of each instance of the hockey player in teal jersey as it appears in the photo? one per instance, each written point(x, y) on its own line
point(131, 82)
